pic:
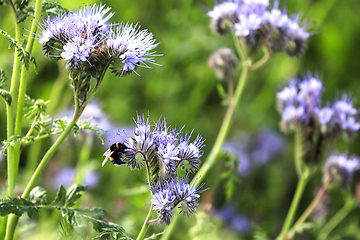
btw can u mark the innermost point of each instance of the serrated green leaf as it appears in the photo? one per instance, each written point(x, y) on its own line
point(6, 96)
point(79, 218)
point(68, 198)
point(60, 124)
point(230, 175)
point(49, 7)
point(73, 194)
point(2, 78)
point(11, 40)
point(84, 124)
point(38, 196)
point(11, 141)
point(21, 4)
point(60, 197)
point(24, 13)
point(17, 206)
point(25, 57)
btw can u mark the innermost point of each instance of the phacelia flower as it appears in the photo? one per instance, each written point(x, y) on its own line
point(130, 48)
point(223, 61)
point(164, 148)
point(300, 107)
point(88, 43)
point(176, 192)
point(252, 21)
point(340, 168)
point(300, 100)
point(221, 14)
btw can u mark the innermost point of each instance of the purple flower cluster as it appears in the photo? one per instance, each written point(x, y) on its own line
point(251, 20)
point(255, 150)
point(66, 176)
point(168, 147)
point(169, 194)
point(300, 103)
point(163, 150)
point(87, 42)
point(339, 168)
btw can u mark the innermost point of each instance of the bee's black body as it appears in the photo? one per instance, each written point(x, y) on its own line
point(117, 150)
point(114, 153)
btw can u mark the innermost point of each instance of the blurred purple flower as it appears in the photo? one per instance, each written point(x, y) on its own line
point(65, 177)
point(256, 150)
point(236, 221)
point(91, 179)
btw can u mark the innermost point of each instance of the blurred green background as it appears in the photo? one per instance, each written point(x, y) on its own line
point(184, 91)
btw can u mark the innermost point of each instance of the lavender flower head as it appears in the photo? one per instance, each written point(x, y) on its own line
point(298, 101)
point(66, 176)
point(250, 19)
point(301, 102)
point(340, 168)
point(164, 148)
point(87, 42)
point(176, 192)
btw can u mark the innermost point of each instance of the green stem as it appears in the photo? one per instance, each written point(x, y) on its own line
point(22, 89)
point(261, 61)
point(309, 209)
point(294, 204)
point(41, 137)
point(10, 124)
point(224, 129)
point(298, 151)
point(337, 218)
point(10, 113)
point(13, 219)
point(31, 130)
point(145, 225)
point(150, 213)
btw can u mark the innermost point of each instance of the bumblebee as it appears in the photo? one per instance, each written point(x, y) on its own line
point(114, 153)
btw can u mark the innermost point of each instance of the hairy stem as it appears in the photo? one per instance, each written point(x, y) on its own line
point(337, 218)
point(309, 209)
point(150, 213)
point(225, 126)
point(22, 89)
point(13, 219)
point(294, 204)
point(10, 123)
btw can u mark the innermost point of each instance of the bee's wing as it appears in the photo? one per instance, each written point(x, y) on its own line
point(107, 155)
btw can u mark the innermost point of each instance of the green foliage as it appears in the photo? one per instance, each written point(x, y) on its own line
point(65, 198)
point(4, 93)
point(230, 175)
point(22, 4)
point(25, 57)
point(49, 7)
point(24, 13)
point(11, 141)
point(36, 108)
point(38, 196)
point(17, 206)
point(77, 218)
point(83, 124)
